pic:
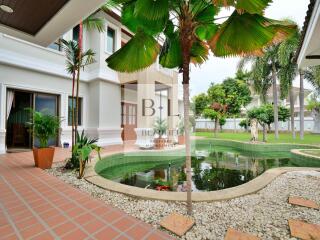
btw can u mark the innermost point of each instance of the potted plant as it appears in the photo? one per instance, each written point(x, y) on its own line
point(43, 126)
point(181, 138)
point(160, 128)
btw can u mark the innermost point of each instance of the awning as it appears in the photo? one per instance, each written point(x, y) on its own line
point(42, 22)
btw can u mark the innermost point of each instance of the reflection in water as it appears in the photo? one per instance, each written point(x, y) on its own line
point(215, 171)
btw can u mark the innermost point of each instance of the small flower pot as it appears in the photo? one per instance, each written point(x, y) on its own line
point(181, 140)
point(43, 157)
point(159, 143)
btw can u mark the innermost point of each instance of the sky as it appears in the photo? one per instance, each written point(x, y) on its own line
point(217, 69)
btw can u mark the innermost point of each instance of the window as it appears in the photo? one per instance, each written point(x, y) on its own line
point(74, 107)
point(111, 42)
point(56, 45)
point(75, 33)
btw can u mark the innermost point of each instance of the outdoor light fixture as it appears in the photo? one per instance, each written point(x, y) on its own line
point(6, 8)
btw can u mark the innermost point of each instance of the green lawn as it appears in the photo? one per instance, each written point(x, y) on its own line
point(283, 137)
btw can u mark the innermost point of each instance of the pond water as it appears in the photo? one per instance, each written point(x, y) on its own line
point(212, 169)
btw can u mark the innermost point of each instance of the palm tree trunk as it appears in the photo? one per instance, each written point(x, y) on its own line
point(186, 44)
point(301, 103)
point(292, 112)
point(275, 101)
point(78, 79)
point(72, 111)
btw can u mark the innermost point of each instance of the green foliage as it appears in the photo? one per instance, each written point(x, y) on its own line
point(265, 114)
point(160, 127)
point(210, 114)
point(73, 62)
point(312, 74)
point(246, 31)
point(222, 121)
point(245, 123)
point(82, 150)
point(237, 94)
point(200, 102)
point(43, 126)
point(216, 94)
point(314, 104)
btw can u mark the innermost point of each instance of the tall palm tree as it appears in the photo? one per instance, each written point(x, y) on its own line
point(74, 63)
point(190, 31)
point(90, 23)
point(288, 71)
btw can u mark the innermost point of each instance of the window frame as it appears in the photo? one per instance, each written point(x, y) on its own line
point(114, 40)
point(80, 113)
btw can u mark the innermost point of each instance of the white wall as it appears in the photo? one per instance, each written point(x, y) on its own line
point(232, 124)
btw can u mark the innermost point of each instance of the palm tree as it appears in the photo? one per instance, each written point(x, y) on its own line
point(90, 23)
point(288, 71)
point(190, 31)
point(75, 60)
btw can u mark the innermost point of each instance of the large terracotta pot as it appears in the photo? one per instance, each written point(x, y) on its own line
point(181, 140)
point(159, 143)
point(43, 157)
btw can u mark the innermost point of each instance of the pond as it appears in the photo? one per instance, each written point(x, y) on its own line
point(213, 168)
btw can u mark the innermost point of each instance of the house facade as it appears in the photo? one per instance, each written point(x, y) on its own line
point(113, 106)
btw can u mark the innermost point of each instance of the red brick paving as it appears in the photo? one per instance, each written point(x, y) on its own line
point(36, 205)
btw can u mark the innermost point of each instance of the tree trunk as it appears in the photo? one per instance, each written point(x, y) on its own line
point(72, 111)
point(264, 133)
point(292, 112)
point(186, 103)
point(78, 80)
point(275, 101)
point(216, 122)
point(301, 103)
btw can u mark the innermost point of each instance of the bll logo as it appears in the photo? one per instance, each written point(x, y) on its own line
point(148, 109)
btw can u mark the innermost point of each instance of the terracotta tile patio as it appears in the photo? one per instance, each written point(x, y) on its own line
point(36, 205)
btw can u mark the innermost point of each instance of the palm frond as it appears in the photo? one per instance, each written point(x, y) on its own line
point(139, 53)
point(248, 34)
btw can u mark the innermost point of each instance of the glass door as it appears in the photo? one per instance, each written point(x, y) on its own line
point(48, 104)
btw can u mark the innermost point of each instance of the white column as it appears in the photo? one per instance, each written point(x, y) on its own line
point(174, 106)
point(146, 103)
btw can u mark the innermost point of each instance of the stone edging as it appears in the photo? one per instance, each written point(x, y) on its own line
point(250, 187)
point(300, 153)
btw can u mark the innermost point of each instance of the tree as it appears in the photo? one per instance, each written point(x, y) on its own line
point(217, 99)
point(213, 116)
point(265, 116)
point(314, 107)
point(200, 102)
point(288, 71)
point(75, 60)
point(222, 122)
point(190, 30)
point(237, 94)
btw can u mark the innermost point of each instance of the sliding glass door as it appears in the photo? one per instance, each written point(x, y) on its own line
point(48, 104)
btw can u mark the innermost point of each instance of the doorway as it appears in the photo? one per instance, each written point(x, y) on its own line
point(128, 121)
point(18, 135)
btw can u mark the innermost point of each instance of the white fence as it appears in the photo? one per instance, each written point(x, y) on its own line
point(233, 124)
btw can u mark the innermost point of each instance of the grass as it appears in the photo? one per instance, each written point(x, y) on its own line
point(283, 137)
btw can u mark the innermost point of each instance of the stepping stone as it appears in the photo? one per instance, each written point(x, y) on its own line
point(233, 234)
point(303, 202)
point(303, 230)
point(177, 223)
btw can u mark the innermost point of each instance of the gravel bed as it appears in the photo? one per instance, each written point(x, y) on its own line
point(264, 214)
